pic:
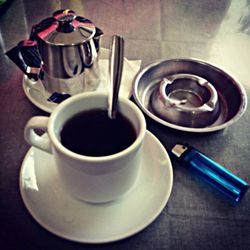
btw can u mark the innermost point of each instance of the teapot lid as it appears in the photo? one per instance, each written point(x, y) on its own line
point(64, 28)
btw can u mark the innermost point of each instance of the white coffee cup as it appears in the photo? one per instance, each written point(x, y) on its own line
point(92, 179)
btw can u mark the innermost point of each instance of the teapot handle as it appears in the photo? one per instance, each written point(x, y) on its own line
point(26, 56)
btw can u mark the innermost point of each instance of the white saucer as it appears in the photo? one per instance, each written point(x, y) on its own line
point(37, 94)
point(61, 214)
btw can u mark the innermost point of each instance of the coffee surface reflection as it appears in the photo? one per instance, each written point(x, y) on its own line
point(93, 133)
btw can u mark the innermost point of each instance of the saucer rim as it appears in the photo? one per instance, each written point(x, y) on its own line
point(34, 101)
point(49, 107)
point(111, 238)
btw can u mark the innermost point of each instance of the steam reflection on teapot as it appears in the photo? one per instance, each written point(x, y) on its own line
point(60, 51)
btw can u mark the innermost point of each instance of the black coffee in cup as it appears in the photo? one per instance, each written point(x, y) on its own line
point(93, 133)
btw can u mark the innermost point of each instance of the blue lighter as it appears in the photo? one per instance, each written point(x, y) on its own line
point(213, 173)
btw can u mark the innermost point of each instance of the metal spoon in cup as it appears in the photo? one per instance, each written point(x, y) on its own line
point(116, 67)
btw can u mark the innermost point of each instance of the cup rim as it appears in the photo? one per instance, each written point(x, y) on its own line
point(95, 159)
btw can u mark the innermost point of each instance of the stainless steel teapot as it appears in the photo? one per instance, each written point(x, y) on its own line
point(58, 51)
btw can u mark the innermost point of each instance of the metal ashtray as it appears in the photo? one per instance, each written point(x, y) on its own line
point(186, 100)
point(189, 95)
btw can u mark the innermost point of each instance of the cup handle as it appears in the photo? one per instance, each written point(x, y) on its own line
point(30, 135)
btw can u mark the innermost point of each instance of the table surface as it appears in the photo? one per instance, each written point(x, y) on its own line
point(194, 217)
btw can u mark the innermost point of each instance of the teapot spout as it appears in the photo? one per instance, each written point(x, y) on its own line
point(26, 56)
point(97, 38)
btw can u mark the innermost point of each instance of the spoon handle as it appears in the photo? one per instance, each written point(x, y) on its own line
point(116, 67)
